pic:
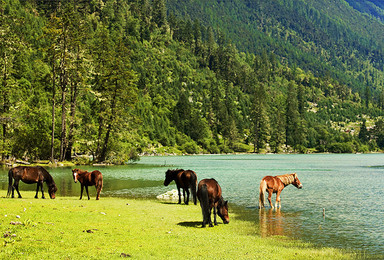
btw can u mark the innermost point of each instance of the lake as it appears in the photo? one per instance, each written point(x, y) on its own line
point(349, 187)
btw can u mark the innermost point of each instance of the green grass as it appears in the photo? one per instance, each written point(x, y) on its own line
point(140, 228)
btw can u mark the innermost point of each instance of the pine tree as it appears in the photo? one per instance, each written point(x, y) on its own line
point(292, 116)
point(260, 118)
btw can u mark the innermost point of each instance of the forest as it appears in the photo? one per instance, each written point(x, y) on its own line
point(110, 80)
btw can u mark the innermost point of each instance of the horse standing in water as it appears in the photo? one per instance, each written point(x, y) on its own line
point(86, 179)
point(30, 175)
point(275, 184)
point(209, 194)
point(184, 180)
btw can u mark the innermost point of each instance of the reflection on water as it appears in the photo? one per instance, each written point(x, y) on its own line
point(279, 223)
point(271, 223)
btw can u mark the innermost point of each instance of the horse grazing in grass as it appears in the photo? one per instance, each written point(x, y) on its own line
point(275, 184)
point(30, 175)
point(86, 179)
point(209, 194)
point(184, 180)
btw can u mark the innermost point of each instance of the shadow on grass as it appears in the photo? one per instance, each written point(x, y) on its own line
point(195, 224)
point(169, 203)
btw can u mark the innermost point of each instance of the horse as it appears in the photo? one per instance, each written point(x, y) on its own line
point(184, 180)
point(275, 184)
point(86, 179)
point(30, 175)
point(209, 195)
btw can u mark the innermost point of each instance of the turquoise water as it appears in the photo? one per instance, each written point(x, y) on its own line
point(349, 187)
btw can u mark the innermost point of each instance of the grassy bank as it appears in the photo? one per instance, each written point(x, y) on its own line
point(67, 228)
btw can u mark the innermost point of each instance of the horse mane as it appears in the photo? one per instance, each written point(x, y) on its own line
point(287, 178)
point(47, 176)
point(173, 172)
point(79, 171)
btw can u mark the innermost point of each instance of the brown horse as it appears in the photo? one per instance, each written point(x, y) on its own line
point(209, 194)
point(31, 175)
point(275, 184)
point(184, 180)
point(86, 179)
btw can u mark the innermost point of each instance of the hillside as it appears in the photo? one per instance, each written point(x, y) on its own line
point(109, 80)
point(374, 8)
point(324, 37)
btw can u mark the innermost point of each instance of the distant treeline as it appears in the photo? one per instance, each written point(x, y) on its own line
point(117, 78)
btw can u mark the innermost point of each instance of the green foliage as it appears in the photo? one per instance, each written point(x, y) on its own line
point(112, 81)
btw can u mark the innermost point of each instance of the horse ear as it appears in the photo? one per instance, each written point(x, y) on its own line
point(226, 203)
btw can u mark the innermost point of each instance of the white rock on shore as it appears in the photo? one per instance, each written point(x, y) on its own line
point(170, 195)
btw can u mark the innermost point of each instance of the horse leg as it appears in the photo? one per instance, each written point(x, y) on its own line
point(194, 195)
point(42, 190)
point(278, 200)
point(214, 216)
point(98, 189)
point(81, 192)
point(86, 189)
point(16, 187)
point(11, 190)
point(37, 189)
point(209, 217)
point(178, 189)
point(270, 197)
point(187, 196)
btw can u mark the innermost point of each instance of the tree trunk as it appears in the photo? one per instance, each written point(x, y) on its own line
point(53, 110)
point(63, 83)
point(5, 106)
point(63, 126)
point(103, 153)
point(68, 153)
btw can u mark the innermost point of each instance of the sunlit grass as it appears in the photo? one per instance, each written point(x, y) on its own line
point(67, 228)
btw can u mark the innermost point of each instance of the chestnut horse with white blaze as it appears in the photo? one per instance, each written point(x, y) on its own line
point(275, 184)
point(86, 179)
point(210, 196)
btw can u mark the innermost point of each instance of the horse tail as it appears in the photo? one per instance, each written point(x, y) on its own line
point(100, 182)
point(263, 188)
point(10, 177)
point(204, 203)
point(194, 188)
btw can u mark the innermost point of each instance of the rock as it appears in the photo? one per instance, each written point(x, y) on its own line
point(170, 195)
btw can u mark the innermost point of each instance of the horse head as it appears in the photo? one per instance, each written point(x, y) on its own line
point(170, 176)
point(75, 174)
point(222, 210)
point(52, 190)
point(297, 182)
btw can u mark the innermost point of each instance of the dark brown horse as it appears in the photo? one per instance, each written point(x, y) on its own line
point(275, 184)
point(209, 194)
point(31, 175)
point(184, 180)
point(86, 179)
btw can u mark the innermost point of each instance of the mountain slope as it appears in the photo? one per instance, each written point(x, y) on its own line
point(370, 7)
point(324, 37)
